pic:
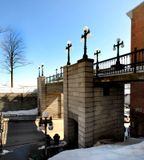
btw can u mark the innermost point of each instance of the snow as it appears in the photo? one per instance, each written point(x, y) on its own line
point(132, 149)
point(17, 89)
point(5, 152)
point(22, 112)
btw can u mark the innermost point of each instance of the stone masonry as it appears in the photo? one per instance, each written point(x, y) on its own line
point(50, 98)
point(95, 115)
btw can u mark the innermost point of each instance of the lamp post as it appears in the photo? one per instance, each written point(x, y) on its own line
point(39, 71)
point(119, 43)
point(61, 71)
point(84, 36)
point(56, 74)
point(97, 65)
point(42, 70)
point(46, 122)
point(69, 45)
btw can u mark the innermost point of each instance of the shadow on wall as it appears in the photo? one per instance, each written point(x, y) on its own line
point(54, 105)
point(15, 101)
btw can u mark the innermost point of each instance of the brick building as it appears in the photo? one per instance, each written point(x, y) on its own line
point(137, 96)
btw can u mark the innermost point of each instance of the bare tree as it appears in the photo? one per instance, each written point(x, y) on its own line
point(13, 53)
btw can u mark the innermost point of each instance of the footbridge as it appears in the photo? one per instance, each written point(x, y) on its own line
point(93, 96)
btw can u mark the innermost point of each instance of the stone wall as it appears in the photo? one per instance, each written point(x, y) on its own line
point(50, 98)
point(108, 112)
point(17, 101)
point(88, 110)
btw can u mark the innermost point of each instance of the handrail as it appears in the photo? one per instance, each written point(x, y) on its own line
point(129, 62)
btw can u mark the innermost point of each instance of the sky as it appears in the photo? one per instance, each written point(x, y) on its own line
point(47, 25)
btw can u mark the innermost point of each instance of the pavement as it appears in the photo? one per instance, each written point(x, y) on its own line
point(21, 137)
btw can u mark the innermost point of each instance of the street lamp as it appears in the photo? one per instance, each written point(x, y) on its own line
point(117, 46)
point(46, 122)
point(69, 45)
point(56, 74)
point(86, 31)
point(39, 71)
point(61, 68)
point(97, 65)
point(42, 70)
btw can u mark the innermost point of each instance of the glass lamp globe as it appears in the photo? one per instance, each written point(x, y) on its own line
point(85, 29)
point(118, 39)
point(122, 45)
point(45, 114)
point(69, 42)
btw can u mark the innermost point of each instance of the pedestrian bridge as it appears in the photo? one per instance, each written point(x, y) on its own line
point(125, 68)
point(93, 96)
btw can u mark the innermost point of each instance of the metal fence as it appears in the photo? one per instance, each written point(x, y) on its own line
point(128, 63)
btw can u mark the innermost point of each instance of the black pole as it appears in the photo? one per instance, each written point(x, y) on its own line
point(61, 71)
point(84, 36)
point(42, 70)
point(69, 45)
point(97, 65)
point(39, 71)
point(85, 56)
point(118, 47)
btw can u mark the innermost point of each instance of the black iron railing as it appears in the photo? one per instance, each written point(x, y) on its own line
point(132, 62)
point(55, 78)
point(129, 63)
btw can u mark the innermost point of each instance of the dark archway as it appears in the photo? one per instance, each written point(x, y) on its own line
point(73, 133)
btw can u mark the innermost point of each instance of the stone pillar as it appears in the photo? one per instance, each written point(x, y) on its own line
point(78, 101)
point(41, 94)
point(86, 107)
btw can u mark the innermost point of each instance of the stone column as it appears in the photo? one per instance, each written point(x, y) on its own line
point(78, 101)
point(86, 106)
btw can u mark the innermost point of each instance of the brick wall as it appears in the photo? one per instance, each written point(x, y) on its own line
point(137, 27)
point(137, 88)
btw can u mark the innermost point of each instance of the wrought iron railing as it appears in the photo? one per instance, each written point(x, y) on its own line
point(129, 63)
point(132, 62)
point(55, 78)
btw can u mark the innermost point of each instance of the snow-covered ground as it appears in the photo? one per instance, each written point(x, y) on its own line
point(22, 112)
point(132, 149)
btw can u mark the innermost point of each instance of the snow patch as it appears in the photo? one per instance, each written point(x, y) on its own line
point(21, 112)
point(126, 150)
point(5, 152)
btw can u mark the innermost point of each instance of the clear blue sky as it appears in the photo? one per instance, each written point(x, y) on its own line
point(46, 25)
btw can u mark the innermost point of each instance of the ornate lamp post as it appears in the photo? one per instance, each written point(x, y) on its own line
point(61, 71)
point(56, 74)
point(84, 36)
point(39, 71)
point(117, 46)
point(46, 122)
point(97, 65)
point(69, 45)
point(42, 70)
